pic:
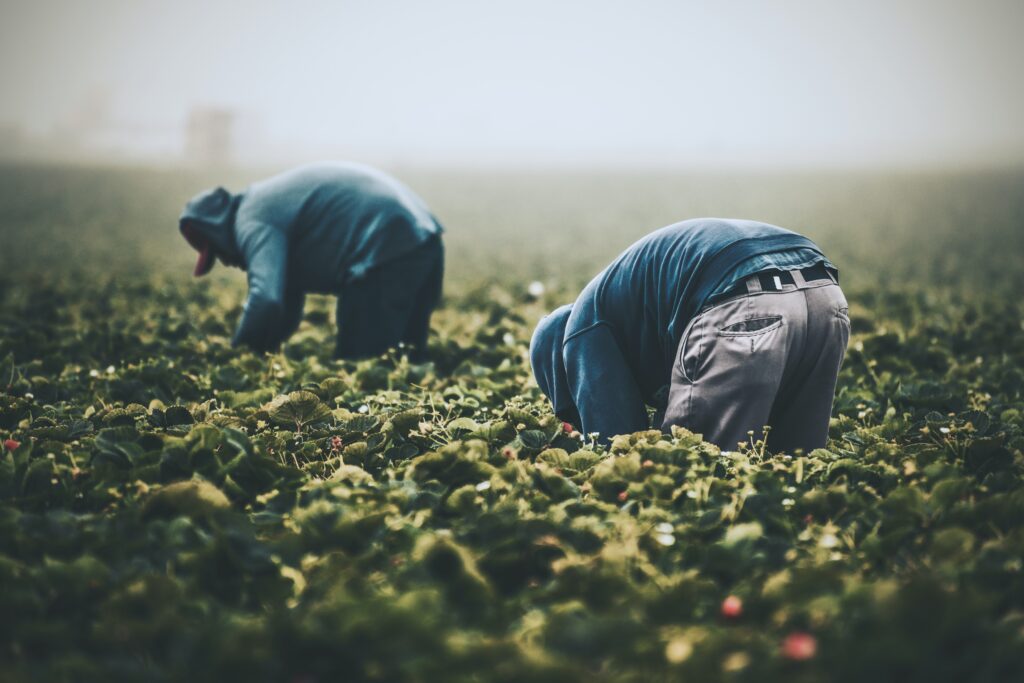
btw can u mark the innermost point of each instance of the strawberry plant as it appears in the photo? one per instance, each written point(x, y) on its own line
point(175, 509)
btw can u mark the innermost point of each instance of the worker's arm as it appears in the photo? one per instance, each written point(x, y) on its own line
point(602, 385)
point(294, 302)
point(266, 255)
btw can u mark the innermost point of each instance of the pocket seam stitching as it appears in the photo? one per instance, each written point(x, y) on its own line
point(681, 351)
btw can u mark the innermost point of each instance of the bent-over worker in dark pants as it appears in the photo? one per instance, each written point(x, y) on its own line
point(723, 326)
point(328, 228)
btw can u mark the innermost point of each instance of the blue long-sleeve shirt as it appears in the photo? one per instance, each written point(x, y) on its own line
point(312, 229)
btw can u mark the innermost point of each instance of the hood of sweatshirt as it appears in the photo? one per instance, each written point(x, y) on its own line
point(208, 224)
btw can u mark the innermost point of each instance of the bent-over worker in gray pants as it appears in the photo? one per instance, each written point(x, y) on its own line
point(722, 326)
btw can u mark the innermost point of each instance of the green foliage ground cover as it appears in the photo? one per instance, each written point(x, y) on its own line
point(174, 509)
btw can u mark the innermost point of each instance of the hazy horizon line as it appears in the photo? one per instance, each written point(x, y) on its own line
point(600, 166)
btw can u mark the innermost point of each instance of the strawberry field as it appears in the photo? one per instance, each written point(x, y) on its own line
point(173, 509)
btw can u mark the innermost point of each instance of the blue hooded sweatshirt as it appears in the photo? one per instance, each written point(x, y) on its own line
point(311, 229)
point(610, 354)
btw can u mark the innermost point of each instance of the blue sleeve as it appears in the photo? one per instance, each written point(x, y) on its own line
point(266, 256)
point(294, 302)
point(603, 388)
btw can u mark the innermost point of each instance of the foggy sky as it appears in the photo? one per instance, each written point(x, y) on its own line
point(677, 82)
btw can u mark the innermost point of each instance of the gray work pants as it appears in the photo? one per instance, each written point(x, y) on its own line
point(762, 358)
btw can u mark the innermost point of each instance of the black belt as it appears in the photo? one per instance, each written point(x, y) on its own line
point(772, 280)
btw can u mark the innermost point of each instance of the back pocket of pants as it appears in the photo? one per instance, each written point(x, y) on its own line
point(751, 326)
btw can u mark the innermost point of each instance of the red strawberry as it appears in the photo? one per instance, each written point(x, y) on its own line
point(567, 428)
point(623, 496)
point(11, 444)
point(732, 607)
point(799, 646)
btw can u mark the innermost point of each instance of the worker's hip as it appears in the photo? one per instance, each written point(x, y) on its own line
point(771, 321)
point(755, 357)
point(402, 266)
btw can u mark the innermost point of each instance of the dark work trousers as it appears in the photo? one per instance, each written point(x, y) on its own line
point(762, 358)
point(392, 303)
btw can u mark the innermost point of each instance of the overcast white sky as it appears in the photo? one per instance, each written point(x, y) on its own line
point(677, 82)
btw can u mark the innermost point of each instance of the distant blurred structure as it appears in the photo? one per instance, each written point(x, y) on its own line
point(94, 130)
point(209, 136)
